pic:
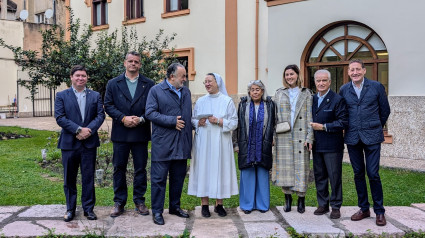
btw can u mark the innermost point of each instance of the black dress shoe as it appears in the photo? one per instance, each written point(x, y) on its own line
point(246, 211)
point(90, 215)
point(158, 219)
point(205, 211)
point(179, 212)
point(220, 210)
point(69, 216)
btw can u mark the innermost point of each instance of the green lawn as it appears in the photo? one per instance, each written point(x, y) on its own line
point(24, 182)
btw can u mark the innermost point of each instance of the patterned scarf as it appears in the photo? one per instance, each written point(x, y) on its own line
point(255, 139)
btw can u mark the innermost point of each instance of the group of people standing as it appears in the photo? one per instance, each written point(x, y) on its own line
point(294, 123)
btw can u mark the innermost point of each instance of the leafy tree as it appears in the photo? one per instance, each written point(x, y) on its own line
point(104, 59)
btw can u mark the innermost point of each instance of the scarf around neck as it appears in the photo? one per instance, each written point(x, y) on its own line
point(255, 138)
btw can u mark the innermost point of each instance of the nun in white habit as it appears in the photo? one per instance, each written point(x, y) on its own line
point(212, 167)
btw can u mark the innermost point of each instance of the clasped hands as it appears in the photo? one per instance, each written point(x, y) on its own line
point(84, 133)
point(211, 119)
point(131, 121)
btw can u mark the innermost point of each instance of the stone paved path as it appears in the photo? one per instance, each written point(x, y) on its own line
point(39, 219)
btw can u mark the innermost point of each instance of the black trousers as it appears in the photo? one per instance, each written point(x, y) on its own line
point(85, 159)
point(160, 170)
point(327, 167)
point(139, 151)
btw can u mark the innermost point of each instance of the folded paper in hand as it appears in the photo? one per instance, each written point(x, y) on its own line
point(200, 116)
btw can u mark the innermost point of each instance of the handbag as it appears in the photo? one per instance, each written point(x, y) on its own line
point(282, 127)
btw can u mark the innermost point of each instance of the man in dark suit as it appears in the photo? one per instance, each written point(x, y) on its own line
point(329, 119)
point(368, 111)
point(125, 101)
point(79, 111)
point(169, 107)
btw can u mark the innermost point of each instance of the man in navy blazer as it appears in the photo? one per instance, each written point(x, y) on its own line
point(169, 107)
point(329, 119)
point(368, 111)
point(125, 101)
point(79, 111)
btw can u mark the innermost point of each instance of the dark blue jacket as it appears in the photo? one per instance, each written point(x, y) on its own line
point(367, 115)
point(118, 103)
point(68, 116)
point(333, 113)
point(162, 108)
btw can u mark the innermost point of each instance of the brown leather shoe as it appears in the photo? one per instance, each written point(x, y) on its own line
point(321, 211)
point(360, 215)
point(380, 220)
point(118, 210)
point(335, 214)
point(142, 209)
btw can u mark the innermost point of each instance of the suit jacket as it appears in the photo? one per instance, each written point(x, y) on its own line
point(162, 108)
point(68, 116)
point(118, 103)
point(367, 115)
point(332, 112)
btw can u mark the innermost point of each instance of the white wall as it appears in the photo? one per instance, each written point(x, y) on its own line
point(399, 23)
point(12, 33)
point(202, 29)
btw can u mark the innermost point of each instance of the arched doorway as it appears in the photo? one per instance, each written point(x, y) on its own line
point(333, 46)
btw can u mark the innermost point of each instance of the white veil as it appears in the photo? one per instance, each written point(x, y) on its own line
point(220, 83)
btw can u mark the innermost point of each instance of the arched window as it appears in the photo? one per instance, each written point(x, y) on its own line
point(333, 46)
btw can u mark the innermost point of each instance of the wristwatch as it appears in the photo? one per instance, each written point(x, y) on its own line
point(323, 127)
point(79, 130)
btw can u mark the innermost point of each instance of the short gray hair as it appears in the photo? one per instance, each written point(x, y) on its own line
point(322, 71)
point(171, 70)
point(134, 53)
point(259, 84)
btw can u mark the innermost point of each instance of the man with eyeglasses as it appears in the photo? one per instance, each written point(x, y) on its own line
point(329, 119)
point(125, 101)
point(169, 107)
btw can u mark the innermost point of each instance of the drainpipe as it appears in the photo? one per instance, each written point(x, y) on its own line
point(54, 12)
point(3, 10)
point(257, 13)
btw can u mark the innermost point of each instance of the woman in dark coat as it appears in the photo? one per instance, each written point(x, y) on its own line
point(253, 141)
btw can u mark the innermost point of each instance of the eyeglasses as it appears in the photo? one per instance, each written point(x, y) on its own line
point(207, 82)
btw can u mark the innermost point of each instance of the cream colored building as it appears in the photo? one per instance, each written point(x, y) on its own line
point(387, 35)
point(24, 34)
point(216, 36)
point(246, 40)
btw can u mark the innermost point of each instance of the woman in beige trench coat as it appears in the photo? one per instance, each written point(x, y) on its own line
point(291, 165)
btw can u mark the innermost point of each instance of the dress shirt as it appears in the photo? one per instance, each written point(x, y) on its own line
point(177, 91)
point(358, 90)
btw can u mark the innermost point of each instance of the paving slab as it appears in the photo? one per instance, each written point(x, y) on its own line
point(265, 229)
point(23, 229)
point(307, 223)
point(419, 205)
point(214, 227)
point(4, 216)
point(10, 209)
point(256, 216)
point(408, 216)
point(366, 226)
point(75, 227)
point(44, 211)
point(131, 224)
